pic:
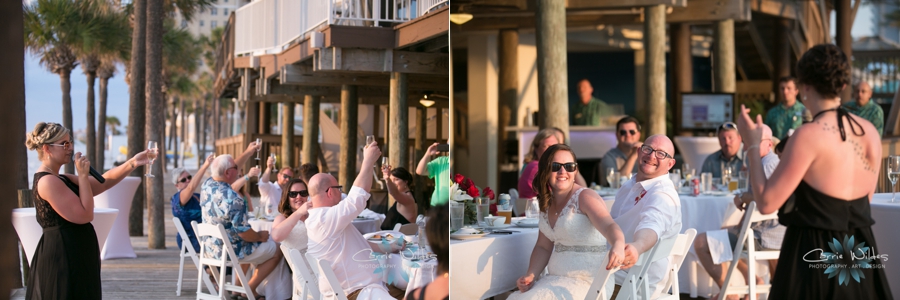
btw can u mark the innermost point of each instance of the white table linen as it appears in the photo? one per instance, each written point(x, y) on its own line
point(25, 222)
point(366, 225)
point(118, 244)
point(887, 221)
point(490, 266)
point(261, 225)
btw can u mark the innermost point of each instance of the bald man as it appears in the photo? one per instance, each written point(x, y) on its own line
point(865, 107)
point(647, 207)
point(589, 111)
point(333, 238)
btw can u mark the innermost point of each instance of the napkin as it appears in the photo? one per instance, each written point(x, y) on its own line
point(719, 246)
point(368, 214)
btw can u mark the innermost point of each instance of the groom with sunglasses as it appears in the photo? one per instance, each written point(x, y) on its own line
point(623, 157)
point(647, 208)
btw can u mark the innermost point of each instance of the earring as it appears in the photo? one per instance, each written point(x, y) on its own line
point(804, 97)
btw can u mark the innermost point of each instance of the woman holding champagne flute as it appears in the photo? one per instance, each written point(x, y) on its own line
point(66, 263)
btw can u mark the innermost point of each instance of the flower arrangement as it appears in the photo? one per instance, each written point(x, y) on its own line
point(464, 190)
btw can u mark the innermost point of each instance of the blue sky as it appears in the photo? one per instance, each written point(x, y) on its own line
point(44, 97)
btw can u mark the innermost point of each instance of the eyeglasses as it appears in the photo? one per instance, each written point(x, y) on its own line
point(66, 145)
point(286, 176)
point(631, 131)
point(340, 188)
point(726, 126)
point(186, 179)
point(659, 153)
point(570, 167)
point(294, 194)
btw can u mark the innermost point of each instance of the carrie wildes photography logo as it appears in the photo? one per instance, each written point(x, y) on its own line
point(380, 262)
point(845, 260)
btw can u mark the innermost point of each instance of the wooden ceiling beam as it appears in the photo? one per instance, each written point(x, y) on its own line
point(303, 74)
point(380, 61)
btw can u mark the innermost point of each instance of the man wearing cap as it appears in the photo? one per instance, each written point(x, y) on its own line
point(730, 142)
point(790, 114)
point(865, 108)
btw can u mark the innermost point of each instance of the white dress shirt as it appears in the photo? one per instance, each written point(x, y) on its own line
point(659, 209)
point(332, 237)
point(269, 197)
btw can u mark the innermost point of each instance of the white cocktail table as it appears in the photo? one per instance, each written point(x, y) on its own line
point(30, 232)
point(118, 244)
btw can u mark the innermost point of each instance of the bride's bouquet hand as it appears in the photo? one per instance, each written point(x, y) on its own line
point(525, 283)
point(616, 257)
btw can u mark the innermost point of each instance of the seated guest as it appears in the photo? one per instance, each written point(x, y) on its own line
point(307, 171)
point(647, 207)
point(544, 139)
point(623, 157)
point(223, 205)
point(404, 209)
point(268, 191)
point(186, 203)
point(288, 228)
point(439, 170)
point(437, 231)
point(333, 238)
point(865, 107)
point(767, 234)
point(730, 142)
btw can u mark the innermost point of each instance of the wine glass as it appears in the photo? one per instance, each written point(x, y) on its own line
point(893, 173)
point(611, 176)
point(258, 147)
point(275, 158)
point(152, 152)
point(369, 140)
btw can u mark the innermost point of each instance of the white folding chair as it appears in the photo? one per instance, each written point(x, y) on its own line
point(407, 229)
point(305, 284)
point(226, 259)
point(751, 255)
point(187, 250)
point(679, 251)
point(636, 286)
point(322, 268)
point(598, 287)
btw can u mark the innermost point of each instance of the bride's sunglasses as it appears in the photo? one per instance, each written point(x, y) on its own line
point(570, 167)
point(294, 194)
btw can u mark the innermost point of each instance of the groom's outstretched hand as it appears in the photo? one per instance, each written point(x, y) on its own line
point(631, 256)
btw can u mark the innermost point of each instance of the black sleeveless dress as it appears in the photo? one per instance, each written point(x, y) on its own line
point(393, 217)
point(827, 234)
point(66, 263)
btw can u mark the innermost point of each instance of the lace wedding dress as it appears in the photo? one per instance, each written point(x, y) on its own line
point(578, 249)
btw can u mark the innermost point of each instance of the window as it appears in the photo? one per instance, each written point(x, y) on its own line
point(214, 11)
point(213, 24)
point(201, 23)
point(226, 10)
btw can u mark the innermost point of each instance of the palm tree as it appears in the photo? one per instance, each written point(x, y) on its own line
point(106, 71)
point(136, 139)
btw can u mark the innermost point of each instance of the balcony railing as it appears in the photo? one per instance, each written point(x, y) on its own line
point(269, 26)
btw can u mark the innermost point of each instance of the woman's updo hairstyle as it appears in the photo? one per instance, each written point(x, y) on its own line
point(825, 68)
point(45, 133)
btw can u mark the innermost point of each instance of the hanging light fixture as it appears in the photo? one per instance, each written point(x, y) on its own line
point(425, 101)
point(460, 17)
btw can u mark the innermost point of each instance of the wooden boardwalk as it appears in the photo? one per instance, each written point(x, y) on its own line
point(153, 274)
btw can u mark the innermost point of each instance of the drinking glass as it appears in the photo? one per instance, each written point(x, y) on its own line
point(611, 177)
point(457, 211)
point(687, 172)
point(706, 182)
point(726, 173)
point(893, 173)
point(275, 158)
point(532, 210)
point(258, 147)
point(369, 140)
point(482, 209)
point(152, 153)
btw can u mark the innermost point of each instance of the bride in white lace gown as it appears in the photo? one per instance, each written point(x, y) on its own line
point(570, 244)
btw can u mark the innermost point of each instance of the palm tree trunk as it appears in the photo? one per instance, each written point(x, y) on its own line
point(66, 86)
point(91, 136)
point(101, 126)
point(198, 122)
point(155, 122)
point(12, 83)
point(216, 117)
point(173, 130)
point(183, 132)
point(136, 116)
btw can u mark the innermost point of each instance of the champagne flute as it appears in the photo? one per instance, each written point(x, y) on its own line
point(611, 176)
point(893, 173)
point(274, 157)
point(152, 152)
point(258, 147)
point(384, 163)
point(369, 140)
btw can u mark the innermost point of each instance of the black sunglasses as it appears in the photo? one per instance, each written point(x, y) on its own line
point(294, 194)
point(285, 176)
point(183, 180)
point(631, 131)
point(340, 188)
point(570, 167)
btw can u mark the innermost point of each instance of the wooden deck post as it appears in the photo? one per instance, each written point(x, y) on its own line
point(398, 154)
point(287, 135)
point(724, 57)
point(655, 47)
point(553, 90)
point(509, 87)
point(421, 136)
point(682, 66)
point(844, 22)
point(349, 117)
point(310, 130)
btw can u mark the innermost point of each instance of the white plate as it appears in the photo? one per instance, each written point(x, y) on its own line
point(467, 236)
point(499, 226)
point(527, 225)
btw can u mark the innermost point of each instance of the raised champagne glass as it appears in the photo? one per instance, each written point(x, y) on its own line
point(893, 173)
point(152, 153)
point(258, 147)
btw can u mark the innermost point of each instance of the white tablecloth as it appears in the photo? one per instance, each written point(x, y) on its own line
point(118, 244)
point(366, 225)
point(30, 231)
point(489, 266)
point(407, 270)
point(703, 213)
point(887, 222)
point(260, 225)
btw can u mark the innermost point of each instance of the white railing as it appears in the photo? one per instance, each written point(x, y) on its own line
point(268, 26)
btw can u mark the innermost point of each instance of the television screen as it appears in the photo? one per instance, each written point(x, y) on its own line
point(706, 111)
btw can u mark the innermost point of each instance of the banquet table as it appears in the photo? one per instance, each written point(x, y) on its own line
point(366, 225)
point(25, 222)
point(887, 221)
point(407, 270)
point(490, 266)
point(118, 244)
point(260, 224)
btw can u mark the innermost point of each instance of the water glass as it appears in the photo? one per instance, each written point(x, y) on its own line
point(611, 177)
point(706, 182)
point(482, 209)
point(743, 181)
point(457, 211)
point(532, 208)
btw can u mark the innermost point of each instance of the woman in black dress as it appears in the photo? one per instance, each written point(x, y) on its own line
point(403, 211)
point(66, 263)
point(822, 189)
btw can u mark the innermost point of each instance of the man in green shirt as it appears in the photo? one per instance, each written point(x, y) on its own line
point(439, 170)
point(590, 111)
point(790, 114)
point(865, 108)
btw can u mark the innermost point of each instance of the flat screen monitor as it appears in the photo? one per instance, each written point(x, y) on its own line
point(706, 110)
